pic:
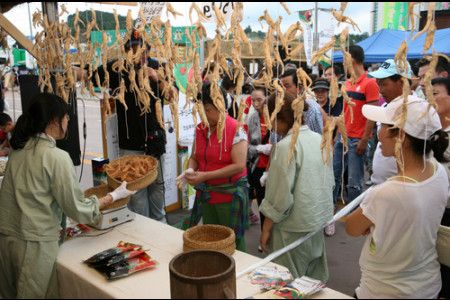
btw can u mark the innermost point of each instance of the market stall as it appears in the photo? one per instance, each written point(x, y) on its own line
point(78, 281)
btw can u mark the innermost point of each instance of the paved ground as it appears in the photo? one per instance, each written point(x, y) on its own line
point(343, 251)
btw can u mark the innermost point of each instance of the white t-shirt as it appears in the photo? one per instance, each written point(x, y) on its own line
point(406, 218)
point(447, 156)
point(383, 167)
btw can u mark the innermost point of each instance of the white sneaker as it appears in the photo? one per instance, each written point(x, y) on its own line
point(369, 183)
point(260, 249)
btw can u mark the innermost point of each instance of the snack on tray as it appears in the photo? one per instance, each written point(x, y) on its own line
point(130, 170)
point(128, 267)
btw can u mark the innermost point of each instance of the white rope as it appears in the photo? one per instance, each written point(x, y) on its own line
point(344, 212)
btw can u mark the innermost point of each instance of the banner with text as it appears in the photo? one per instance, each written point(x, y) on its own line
point(394, 15)
point(151, 10)
point(306, 17)
point(327, 27)
point(226, 8)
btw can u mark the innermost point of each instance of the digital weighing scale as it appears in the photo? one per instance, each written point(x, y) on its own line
point(113, 217)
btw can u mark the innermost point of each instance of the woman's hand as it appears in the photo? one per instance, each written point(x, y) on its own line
point(265, 240)
point(195, 178)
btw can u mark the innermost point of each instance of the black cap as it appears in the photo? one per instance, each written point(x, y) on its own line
point(321, 85)
point(135, 39)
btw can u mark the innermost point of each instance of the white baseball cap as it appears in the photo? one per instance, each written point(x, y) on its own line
point(391, 114)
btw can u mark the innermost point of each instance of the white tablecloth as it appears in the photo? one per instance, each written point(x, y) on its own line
point(163, 242)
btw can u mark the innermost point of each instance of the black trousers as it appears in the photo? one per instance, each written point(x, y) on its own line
point(260, 191)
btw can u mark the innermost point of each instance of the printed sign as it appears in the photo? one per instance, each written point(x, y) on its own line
point(151, 10)
point(307, 18)
point(394, 15)
point(226, 8)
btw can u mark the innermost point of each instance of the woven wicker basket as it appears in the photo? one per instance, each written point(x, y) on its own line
point(102, 191)
point(210, 237)
point(443, 245)
point(139, 183)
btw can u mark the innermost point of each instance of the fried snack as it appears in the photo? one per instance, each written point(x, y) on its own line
point(63, 10)
point(431, 9)
point(245, 40)
point(108, 112)
point(201, 113)
point(343, 7)
point(279, 100)
point(220, 20)
point(327, 138)
point(344, 19)
point(412, 15)
point(131, 170)
point(298, 105)
point(77, 19)
point(172, 11)
point(305, 80)
point(292, 31)
point(201, 15)
point(267, 122)
point(158, 108)
point(398, 153)
point(286, 7)
point(94, 20)
point(323, 50)
point(37, 18)
point(121, 94)
point(295, 51)
point(348, 63)
point(240, 118)
point(348, 100)
point(401, 63)
point(334, 91)
point(266, 17)
point(343, 37)
point(295, 133)
point(343, 130)
point(429, 40)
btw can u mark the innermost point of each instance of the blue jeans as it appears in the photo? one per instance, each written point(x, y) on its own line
point(355, 164)
point(149, 202)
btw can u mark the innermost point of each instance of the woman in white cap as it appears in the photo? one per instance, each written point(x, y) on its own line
point(401, 217)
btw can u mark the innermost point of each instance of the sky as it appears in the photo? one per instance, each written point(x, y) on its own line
point(358, 11)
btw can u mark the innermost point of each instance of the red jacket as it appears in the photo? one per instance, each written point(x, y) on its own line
point(212, 155)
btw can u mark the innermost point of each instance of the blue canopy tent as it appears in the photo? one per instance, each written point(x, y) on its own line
point(384, 44)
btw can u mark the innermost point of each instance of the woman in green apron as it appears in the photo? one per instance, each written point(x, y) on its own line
point(39, 190)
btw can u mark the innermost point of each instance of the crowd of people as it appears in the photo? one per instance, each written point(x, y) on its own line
point(400, 215)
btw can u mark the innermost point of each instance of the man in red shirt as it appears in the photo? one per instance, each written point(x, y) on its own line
point(365, 91)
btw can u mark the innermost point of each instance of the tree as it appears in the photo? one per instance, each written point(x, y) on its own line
point(352, 39)
point(105, 21)
point(248, 30)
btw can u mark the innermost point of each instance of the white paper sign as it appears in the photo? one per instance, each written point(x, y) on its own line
point(151, 10)
point(225, 7)
point(170, 168)
point(309, 43)
point(327, 29)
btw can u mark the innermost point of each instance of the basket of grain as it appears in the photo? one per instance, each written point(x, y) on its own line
point(139, 171)
point(210, 237)
point(102, 191)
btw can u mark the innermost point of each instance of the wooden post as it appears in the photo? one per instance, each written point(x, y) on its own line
point(254, 67)
point(51, 10)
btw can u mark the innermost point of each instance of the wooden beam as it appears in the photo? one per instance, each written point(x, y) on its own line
point(118, 3)
point(51, 10)
point(17, 35)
